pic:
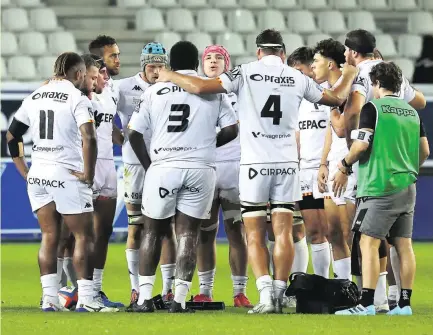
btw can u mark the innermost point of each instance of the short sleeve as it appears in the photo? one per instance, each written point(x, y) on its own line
point(83, 111)
point(313, 91)
point(22, 115)
point(408, 92)
point(368, 116)
point(140, 119)
point(360, 85)
point(232, 81)
point(227, 116)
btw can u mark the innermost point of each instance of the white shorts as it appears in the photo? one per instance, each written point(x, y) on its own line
point(105, 181)
point(133, 178)
point(54, 183)
point(260, 183)
point(227, 181)
point(350, 188)
point(309, 184)
point(188, 190)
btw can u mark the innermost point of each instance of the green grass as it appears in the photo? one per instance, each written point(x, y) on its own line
point(20, 289)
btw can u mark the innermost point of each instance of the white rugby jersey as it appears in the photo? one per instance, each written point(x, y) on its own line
point(232, 150)
point(182, 124)
point(130, 90)
point(54, 114)
point(269, 94)
point(104, 116)
point(312, 124)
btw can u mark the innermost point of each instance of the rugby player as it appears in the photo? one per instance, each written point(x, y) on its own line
point(153, 57)
point(59, 180)
point(216, 60)
point(269, 93)
point(180, 181)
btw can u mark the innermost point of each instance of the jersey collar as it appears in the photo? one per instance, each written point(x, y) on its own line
point(187, 72)
point(271, 60)
point(143, 84)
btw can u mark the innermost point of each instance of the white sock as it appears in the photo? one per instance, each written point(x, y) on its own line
point(146, 288)
point(97, 279)
point(342, 268)
point(321, 258)
point(271, 252)
point(132, 260)
point(280, 287)
point(167, 272)
point(85, 290)
point(181, 290)
point(395, 264)
point(300, 262)
point(68, 267)
point(393, 293)
point(50, 285)
point(380, 297)
point(265, 288)
point(331, 253)
point(59, 272)
point(239, 285)
point(206, 280)
point(359, 282)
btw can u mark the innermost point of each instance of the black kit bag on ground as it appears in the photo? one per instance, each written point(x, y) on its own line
point(318, 295)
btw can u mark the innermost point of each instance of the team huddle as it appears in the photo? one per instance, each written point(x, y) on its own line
point(288, 153)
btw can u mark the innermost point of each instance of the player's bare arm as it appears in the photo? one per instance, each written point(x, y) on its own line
point(352, 111)
point(118, 137)
point(226, 135)
point(322, 176)
point(418, 102)
point(90, 152)
point(137, 143)
point(14, 137)
point(337, 122)
point(424, 150)
point(339, 94)
point(191, 84)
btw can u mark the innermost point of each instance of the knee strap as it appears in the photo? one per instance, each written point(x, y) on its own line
point(250, 209)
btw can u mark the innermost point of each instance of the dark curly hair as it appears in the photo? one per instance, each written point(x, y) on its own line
point(388, 75)
point(270, 36)
point(302, 55)
point(331, 49)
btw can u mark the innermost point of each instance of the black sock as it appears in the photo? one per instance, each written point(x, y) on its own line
point(367, 297)
point(405, 295)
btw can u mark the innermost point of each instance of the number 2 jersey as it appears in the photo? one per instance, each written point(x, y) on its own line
point(54, 114)
point(182, 125)
point(269, 94)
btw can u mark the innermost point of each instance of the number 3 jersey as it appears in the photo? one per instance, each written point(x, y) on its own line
point(182, 125)
point(269, 94)
point(54, 114)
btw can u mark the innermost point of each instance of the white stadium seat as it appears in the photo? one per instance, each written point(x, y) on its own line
point(60, 42)
point(3, 75)
point(22, 68)
point(403, 4)
point(180, 20)
point(131, 3)
point(168, 39)
point(163, 3)
point(271, 18)
point(420, 23)
point(407, 66)
point(223, 3)
point(250, 42)
point(244, 60)
point(27, 3)
point(149, 19)
point(313, 39)
point(5, 3)
point(373, 4)
point(292, 42)
point(15, 19)
point(233, 42)
point(211, 21)
point(301, 21)
point(331, 22)
point(283, 4)
point(193, 3)
point(253, 4)
point(314, 4)
point(43, 19)
point(33, 43)
point(45, 66)
point(9, 45)
point(410, 46)
point(361, 20)
point(200, 40)
point(242, 21)
point(343, 4)
point(427, 4)
point(385, 44)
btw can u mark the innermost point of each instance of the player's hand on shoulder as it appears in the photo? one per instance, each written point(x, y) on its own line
point(349, 70)
point(83, 178)
point(163, 76)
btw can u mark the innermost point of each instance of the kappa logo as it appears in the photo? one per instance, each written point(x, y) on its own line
point(252, 173)
point(87, 205)
point(234, 73)
point(137, 88)
point(163, 192)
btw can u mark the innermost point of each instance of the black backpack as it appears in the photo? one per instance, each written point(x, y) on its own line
point(318, 295)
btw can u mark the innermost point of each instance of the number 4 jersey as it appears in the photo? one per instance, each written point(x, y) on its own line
point(54, 114)
point(182, 124)
point(269, 94)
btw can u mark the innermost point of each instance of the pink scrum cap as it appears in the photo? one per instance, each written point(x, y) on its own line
point(218, 49)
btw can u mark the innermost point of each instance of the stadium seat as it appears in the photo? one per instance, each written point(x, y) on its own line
point(373, 4)
point(131, 3)
point(27, 3)
point(427, 4)
point(271, 18)
point(250, 43)
point(242, 21)
point(168, 39)
point(33, 43)
point(361, 20)
point(403, 4)
point(22, 68)
point(343, 4)
point(163, 3)
point(223, 3)
point(301, 21)
point(314, 4)
point(211, 21)
point(15, 19)
point(410, 46)
point(331, 22)
point(313, 39)
point(193, 3)
point(420, 23)
point(149, 19)
point(283, 4)
point(292, 42)
point(385, 44)
point(200, 40)
point(5, 3)
point(407, 67)
point(233, 42)
point(180, 20)
point(253, 4)
point(45, 66)
point(60, 42)
point(9, 45)
point(3, 75)
point(244, 60)
point(43, 19)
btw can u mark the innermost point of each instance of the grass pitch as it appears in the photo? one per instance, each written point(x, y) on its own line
point(21, 291)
